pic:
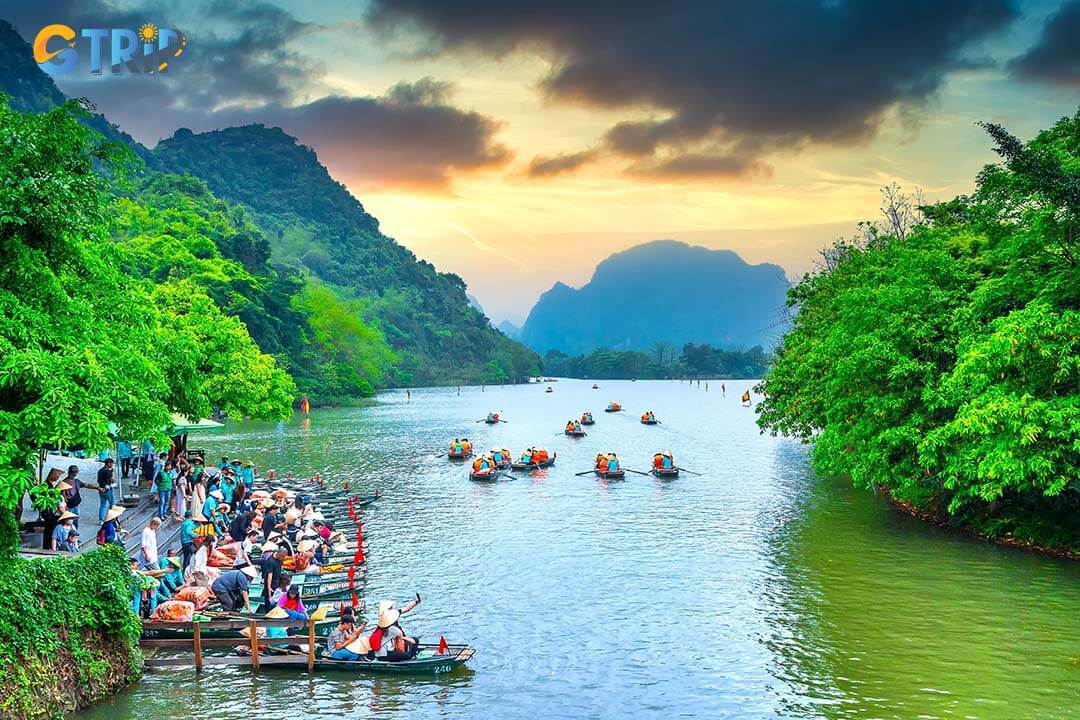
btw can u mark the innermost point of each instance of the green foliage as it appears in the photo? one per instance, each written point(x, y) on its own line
point(67, 631)
point(82, 344)
point(312, 222)
point(355, 355)
point(945, 365)
point(699, 361)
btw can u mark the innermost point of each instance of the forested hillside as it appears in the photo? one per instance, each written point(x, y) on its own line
point(939, 359)
point(314, 223)
point(276, 242)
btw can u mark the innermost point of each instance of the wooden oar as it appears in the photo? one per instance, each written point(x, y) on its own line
point(635, 471)
point(507, 476)
point(587, 472)
point(682, 469)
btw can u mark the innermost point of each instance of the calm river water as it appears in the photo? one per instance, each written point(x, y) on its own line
point(754, 591)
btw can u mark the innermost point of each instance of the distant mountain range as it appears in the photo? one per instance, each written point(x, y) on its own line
point(664, 291)
point(509, 329)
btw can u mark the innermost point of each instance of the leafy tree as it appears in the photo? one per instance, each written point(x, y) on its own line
point(81, 343)
point(943, 363)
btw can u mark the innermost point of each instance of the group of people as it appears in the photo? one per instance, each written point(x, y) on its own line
point(607, 462)
point(648, 417)
point(534, 456)
point(60, 529)
point(573, 427)
point(587, 418)
point(664, 460)
point(387, 642)
point(460, 447)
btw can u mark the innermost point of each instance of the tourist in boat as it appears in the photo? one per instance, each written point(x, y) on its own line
point(526, 456)
point(577, 427)
point(663, 460)
point(231, 588)
point(393, 644)
point(466, 445)
point(292, 604)
point(569, 426)
point(341, 637)
point(612, 463)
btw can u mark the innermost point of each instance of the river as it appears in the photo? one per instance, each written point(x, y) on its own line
point(756, 590)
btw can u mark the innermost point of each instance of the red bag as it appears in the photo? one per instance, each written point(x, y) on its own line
point(376, 639)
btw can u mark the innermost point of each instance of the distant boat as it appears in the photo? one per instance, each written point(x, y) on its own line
point(550, 389)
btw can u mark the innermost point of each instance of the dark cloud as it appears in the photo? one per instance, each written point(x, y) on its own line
point(769, 74)
point(1055, 58)
point(410, 137)
point(695, 166)
point(240, 67)
point(549, 166)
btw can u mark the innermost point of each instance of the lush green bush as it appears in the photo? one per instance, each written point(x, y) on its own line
point(67, 632)
point(942, 361)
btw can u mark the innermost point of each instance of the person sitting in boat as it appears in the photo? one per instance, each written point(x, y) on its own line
point(586, 417)
point(577, 427)
point(539, 455)
point(569, 426)
point(339, 639)
point(389, 641)
point(601, 461)
point(292, 604)
point(526, 456)
point(612, 463)
point(466, 445)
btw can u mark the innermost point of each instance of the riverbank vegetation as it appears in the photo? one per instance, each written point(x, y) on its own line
point(695, 361)
point(87, 351)
point(68, 636)
point(937, 356)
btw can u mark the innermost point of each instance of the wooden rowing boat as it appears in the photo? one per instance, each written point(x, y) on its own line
point(665, 473)
point(534, 466)
point(574, 433)
point(649, 422)
point(618, 409)
point(427, 662)
point(459, 456)
point(488, 475)
point(611, 474)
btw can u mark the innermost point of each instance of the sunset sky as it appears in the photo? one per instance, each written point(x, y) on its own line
point(519, 143)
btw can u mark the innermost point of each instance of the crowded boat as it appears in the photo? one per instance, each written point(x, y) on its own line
point(613, 407)
point(574, 429)
point(587, 418)
point(648, 418)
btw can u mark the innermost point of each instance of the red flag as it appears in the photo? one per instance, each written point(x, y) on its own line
point(443, 647)
point(358, 557)
point(355, 600)
point(352, 510)
point(352, 576)
point(305, 406)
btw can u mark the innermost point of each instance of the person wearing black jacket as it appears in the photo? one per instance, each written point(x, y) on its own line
point(105, 481)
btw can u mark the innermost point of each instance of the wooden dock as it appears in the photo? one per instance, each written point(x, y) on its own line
point(258, 646)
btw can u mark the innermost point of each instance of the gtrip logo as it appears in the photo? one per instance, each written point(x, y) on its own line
point(146, 51)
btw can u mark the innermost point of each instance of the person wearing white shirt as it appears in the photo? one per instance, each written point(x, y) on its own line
point(149, 545)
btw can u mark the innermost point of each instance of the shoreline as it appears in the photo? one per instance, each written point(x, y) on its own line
point(944, 521)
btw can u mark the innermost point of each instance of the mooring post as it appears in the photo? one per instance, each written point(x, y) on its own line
point(198, 646)
point(253, 629)
point(310, 645)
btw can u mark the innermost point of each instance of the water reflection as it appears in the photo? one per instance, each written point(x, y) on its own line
point(753, 591)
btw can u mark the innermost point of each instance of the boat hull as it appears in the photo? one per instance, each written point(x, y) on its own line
point(665, 473)
point(427, 663)
point(611, 474)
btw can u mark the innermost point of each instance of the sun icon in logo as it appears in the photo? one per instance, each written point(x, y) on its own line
point(148, 32)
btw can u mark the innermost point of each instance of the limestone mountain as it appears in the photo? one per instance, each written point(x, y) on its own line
point(662, 291)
